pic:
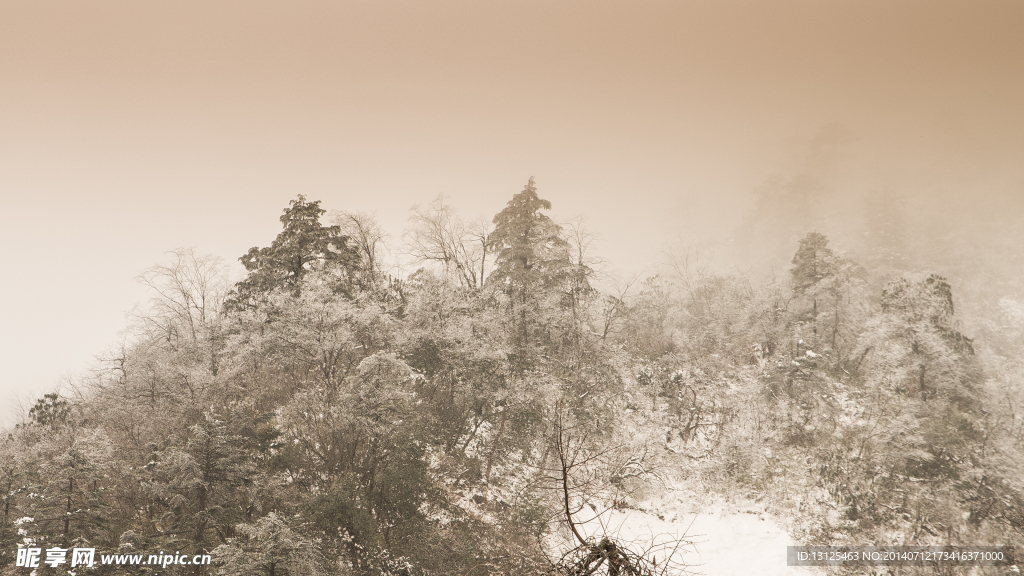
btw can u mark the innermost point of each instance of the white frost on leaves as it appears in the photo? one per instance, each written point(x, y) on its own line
point(1013, 310)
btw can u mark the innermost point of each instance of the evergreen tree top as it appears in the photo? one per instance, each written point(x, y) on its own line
point(526, 242)
point(302, 244)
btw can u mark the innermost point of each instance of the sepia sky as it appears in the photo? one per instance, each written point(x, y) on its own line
point(130, 128)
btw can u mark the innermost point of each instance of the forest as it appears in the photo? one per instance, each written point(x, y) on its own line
point(481, 413)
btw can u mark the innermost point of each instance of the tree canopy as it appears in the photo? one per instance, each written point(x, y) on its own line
point(302, 246)
point(331, 419)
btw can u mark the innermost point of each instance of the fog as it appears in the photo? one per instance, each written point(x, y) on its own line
point(726, 128)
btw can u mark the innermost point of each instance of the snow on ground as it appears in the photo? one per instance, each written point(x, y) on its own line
point(742, 543)
point(725, 539)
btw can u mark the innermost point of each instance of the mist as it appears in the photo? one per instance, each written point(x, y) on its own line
point(382, 288)
point(130, 130)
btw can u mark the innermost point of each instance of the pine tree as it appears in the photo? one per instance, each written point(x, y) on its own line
point(532, 257)
point(269, 547)
point(813, 262)
point(829, 292)
point(196, 485)
point(302, 245)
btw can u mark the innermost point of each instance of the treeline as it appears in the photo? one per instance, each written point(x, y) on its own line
point(323, 416)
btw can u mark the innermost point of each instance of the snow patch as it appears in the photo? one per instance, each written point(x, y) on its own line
point(718, 540)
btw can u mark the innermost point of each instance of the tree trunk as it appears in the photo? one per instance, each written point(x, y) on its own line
point(494, 448)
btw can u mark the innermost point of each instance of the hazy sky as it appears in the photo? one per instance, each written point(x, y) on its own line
point(131, 128)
